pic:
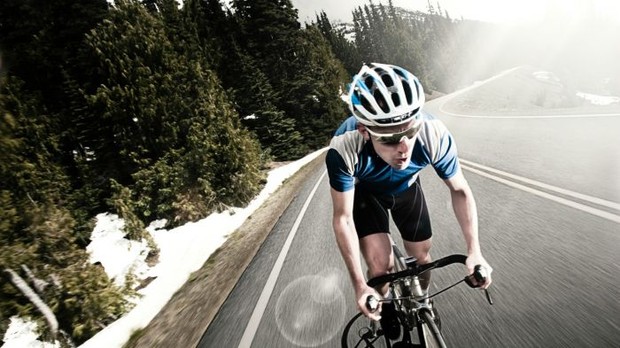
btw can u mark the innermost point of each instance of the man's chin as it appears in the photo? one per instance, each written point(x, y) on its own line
point(400, 165)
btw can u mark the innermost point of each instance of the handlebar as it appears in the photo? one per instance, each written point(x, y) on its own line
point(417, 270)
point(474, 280)
point(372, 303)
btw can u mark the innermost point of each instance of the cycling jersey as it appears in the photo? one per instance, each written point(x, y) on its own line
point(353, 161)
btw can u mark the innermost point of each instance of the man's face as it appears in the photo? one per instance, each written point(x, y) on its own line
point(393, 144)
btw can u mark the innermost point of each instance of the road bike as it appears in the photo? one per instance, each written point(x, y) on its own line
point(417, 316)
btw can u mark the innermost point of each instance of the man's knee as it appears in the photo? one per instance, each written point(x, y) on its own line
point(379, 264)
point(424, 257)
point(419, 250)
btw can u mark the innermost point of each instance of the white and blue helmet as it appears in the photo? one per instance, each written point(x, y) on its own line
point(385, 95)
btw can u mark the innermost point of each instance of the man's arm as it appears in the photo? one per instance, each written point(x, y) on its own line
point(349, 246)
point(466, 214)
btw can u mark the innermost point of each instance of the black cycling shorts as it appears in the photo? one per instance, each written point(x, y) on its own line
point(408, 208)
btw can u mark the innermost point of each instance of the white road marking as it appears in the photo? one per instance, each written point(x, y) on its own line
point(597, 212)
point(263, 300)
point(486, 171)
point(527, 116)
point(594, 200)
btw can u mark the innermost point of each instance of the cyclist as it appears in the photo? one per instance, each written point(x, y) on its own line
point(373, 164)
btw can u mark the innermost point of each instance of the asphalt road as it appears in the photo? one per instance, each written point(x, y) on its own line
point(548, 193)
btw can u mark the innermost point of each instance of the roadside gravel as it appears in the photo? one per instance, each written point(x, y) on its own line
point(187, 315)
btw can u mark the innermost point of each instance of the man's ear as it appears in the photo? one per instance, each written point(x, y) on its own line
point(362, 129)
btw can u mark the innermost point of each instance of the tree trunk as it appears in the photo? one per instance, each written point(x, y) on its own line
point(35, 299)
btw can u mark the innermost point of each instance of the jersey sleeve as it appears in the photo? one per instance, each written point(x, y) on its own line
point(446, 162)
point(348, 125)
point(340, 179)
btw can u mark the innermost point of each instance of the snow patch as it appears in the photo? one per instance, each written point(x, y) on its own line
point(23, 334)
point(548, 77)
point(598, 99)
point(118, 256)
point(183, 250)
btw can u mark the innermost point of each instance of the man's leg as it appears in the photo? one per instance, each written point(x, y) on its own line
point(410, 214)
point(421, 251)
point(377, 252)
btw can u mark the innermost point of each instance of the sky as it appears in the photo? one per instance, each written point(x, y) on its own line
point(499, 11)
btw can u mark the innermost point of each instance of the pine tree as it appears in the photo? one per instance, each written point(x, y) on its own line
point(363, 40)
point(37, 230)
point(393, 36)
point(251, 92)
point(41, 42)
point(40, 39)
point(313, 97)
point(255, 101)
point(269, 28)
point(344, 49)
point(165, 122)
point(286, 55)
point(212, 27)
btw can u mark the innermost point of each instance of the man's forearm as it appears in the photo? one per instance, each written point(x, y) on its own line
point(349, 249)
point(467, 215)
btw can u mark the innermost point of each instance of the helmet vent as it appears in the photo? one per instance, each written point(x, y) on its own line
point(366, 105)
point(408, 95)
point(387, 80)
point(400, 73)
point(396, 99)
point(369, 82)
point(380, 99)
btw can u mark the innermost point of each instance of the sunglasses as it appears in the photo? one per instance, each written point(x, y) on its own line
point(395, 138)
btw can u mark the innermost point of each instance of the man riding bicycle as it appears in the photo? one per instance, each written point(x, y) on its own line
point(373, 164)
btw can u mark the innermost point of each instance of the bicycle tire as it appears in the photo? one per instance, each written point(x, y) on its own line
point(430, 336)
point(353, 335)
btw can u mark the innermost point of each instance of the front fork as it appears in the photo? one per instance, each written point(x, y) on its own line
point(406, 294)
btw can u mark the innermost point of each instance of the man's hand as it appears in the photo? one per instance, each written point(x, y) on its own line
point(361, 295)
point(477, 259)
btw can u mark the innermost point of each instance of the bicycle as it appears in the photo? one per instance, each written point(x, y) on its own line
point(414, 311)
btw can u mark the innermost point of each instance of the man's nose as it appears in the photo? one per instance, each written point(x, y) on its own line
point(403, 145)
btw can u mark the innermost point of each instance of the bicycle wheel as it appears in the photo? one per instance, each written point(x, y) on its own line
point(430, 336)
point(358, 334)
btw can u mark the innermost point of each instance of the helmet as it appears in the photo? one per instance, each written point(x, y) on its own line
point(385, 95)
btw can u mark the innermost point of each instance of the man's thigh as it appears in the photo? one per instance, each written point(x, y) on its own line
point(377, 252)
point(411, 216)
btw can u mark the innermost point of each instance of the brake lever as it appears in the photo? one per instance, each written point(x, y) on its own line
point(479, 276)
point(486, 292)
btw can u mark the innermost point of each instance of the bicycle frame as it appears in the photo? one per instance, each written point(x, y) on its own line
point(409, 301)
point(408, 298)
point(412, 309)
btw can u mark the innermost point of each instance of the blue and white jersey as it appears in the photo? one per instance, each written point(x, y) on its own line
point(353, 161)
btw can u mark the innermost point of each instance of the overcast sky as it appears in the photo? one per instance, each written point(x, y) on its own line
point(506, 11)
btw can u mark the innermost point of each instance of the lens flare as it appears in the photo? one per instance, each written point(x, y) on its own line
point(310, 311)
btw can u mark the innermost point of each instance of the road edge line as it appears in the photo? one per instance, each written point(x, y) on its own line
point(265, 296)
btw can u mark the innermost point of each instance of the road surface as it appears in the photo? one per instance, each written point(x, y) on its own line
point(548, 193)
